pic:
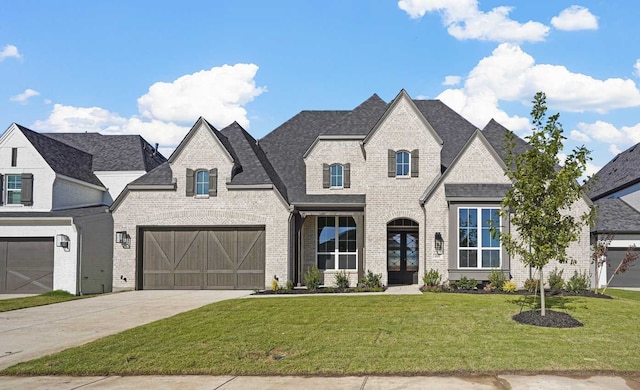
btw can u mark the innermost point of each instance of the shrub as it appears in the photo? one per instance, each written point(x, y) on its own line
point(312, 278)
point(580, 281)
point(509, 286)
point(432, 278)
point(342, 279)
point(274, 285)
point(497, 278)
point(556, 282)
point(466, 284)
point(372, 280)
point(289, 285)
point(531, 284)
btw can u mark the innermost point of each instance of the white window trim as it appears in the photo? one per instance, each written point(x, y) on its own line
point(478, 248)
point(195, 192)
point(6, 191)
point(341, 186)
point(408, 175)
point(336, 252)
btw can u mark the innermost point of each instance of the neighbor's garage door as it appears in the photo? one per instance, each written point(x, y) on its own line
point(26, 265)
point(631, 278)
point(224, 258)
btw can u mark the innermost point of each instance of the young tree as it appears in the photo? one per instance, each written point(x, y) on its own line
point(542, 194)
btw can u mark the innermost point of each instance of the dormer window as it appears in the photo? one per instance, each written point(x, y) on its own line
point(202, 182)
point(403, 163)
point(336, 176)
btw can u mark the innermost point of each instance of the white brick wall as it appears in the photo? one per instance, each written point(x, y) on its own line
point(336, 152)
point(174, 208)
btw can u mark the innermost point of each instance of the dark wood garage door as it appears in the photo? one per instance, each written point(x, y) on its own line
point(229, 258)
point(631, 278)
point(26, 265)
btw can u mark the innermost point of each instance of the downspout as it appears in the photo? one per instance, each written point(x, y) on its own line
point(424, 229)
point(79, 257)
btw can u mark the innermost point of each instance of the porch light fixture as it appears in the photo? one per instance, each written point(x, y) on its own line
point(62, 241)
point(439, 243)
point(123, 238)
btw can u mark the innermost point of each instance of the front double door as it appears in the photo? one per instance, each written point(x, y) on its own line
point(402, 257)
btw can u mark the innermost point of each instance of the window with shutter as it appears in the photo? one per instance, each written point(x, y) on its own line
point(391, 171)
point(213, 182)
point(415, 155)
point(326, 176)
point(347, 175)
point(26, 196)
point(189, 182)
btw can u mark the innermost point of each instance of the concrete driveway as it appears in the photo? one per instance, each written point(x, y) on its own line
point(31, 333)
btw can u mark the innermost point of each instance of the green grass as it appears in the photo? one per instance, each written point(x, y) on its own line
point(359, 335)
point(47, 298)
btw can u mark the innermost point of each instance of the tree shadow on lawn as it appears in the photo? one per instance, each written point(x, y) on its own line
point(529, 313)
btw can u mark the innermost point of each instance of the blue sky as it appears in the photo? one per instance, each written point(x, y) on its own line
point(153, 67)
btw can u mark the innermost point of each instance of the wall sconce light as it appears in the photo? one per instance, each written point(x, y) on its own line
point(123, 238)
point(439, 243)
point(62, 241)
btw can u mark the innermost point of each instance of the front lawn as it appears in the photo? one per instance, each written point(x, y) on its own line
point(361, 335)
point(47, 298)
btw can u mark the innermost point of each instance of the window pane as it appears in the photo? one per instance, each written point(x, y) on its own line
point(13, 197)
point(491, 258)
point(347, 234)
point(336, 175)
point(468, 258)
point(326, 234)
point(14, 182)
point(402, 163)
point(463, 216)
point(347, 262)
point(326, 262)
point(473, 238)
point(473, 218)
point(202, 183)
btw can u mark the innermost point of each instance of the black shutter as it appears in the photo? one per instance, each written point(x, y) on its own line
point(392, 163)
point(415, 158)
point(189, 186)
point(26, 195)
point(1, 190)
point(326, 176)
point(213, 182)
point(347, 176)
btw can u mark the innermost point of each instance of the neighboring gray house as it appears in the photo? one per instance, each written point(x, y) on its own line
point(395, 188)
point(615, 189)
point(55, 189)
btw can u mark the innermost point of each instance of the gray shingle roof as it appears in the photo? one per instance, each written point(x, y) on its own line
point(113, 152)
point(62, 158)
point(623, 171)
point(476, 190)
point(454, 130)
point(160, 175)
point(285, 146)
point(494, 132)
point(78, 212)
point(360, 120)
point(616, 216)
point(251, 170)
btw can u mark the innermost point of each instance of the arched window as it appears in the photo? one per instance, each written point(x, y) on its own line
point(403, 159)
point(337, 176)
point(202, 182)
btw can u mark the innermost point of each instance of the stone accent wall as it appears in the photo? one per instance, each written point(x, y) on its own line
point(229, 208)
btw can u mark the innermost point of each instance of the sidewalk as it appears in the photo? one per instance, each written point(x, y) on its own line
point(515, 382)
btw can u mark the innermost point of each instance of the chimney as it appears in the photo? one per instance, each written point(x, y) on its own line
point(156, 149)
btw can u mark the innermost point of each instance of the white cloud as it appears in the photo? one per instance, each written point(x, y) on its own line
point(9, 51)
point(219, 93)
point(613, 148)
point(579, 136)
point(510, 74)
point(608, 133)
point(47, 101)
point(575, 18)
point(451, 80)
point(168, 110)
point(636, 68)
point(464, 20)
point(23, 97)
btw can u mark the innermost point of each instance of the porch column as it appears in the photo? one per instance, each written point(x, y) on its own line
point(359, 218)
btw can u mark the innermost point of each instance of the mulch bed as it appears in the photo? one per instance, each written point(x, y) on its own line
point(551, 319)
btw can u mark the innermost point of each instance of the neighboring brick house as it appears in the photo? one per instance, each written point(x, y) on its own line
point(55, 189)
point(615, 190)
point(395, 188)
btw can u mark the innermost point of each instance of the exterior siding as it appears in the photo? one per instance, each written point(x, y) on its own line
point(174, 208)
point(67, 194)
point(336, 152)
point(115, 182)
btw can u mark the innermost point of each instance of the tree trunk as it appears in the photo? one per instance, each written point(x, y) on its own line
point(542, 306)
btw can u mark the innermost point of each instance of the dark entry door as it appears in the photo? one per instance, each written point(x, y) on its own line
point(402, 257)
